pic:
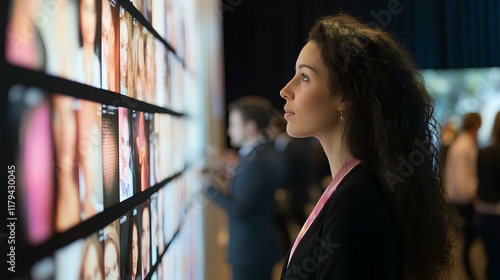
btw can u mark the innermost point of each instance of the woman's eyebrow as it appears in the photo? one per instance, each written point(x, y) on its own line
point(306, 66)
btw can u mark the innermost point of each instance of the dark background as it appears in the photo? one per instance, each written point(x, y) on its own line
point(262, 38)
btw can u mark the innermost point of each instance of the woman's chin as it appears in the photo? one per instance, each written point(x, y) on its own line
point(294, 132)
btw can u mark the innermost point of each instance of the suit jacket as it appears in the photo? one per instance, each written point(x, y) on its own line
point(250, 207)
point(354, 236)
point(488, 171)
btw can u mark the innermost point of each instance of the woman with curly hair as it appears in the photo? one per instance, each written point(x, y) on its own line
point(383, 216)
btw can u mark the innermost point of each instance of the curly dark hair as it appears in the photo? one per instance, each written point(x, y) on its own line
point(391, 128)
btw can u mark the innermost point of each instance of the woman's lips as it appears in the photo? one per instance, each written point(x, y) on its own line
point(288, 113)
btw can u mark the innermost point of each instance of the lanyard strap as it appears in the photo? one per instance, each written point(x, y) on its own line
point(344, 170)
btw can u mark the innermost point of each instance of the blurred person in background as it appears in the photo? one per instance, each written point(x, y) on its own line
point(461, 180)
point(295, 159)
point(249, 201)
point(447, 136)
point(487, 206)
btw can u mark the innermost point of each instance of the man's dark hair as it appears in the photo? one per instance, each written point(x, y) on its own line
point(471, 121)
point(254, 108)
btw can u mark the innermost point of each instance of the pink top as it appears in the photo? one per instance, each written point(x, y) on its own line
point(344, 170)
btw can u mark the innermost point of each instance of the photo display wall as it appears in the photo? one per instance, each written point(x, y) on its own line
point(97, 129)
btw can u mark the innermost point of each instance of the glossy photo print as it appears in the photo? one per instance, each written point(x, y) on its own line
point(60, 38)
point(87, 58)
point(145, 220)
point(31, 141)
point(153, 146)
point(112, 263)
point(158, 16)
point(24, 46)
point(82, 259)
point(126, 153)
point(150, 68)
point(59, 30)
point(110, 38)
point(154, 228)
point(130, 245)
point(162, 74)
point(136, 246)
point(76, 126)
point(141, 149)
point(110, 159)
point(92, 266)
point(90, 175)
point(138, 61)
point(126, 74)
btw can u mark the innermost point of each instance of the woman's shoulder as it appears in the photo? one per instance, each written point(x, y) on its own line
point(361, 179)
point(360, 209)
point(361, 191)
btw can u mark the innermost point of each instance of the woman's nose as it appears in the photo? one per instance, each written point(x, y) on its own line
point(285, 93)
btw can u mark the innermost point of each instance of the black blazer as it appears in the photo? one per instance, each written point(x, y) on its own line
point(250, 207)
point(355, 235)
point(488, 170)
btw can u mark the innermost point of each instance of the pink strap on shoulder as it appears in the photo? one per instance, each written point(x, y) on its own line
point(343, 171)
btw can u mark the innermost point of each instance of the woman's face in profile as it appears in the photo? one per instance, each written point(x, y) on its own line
point(135, 249)
point(311, 108)
point(111, 269)
point(92, 269)
point(88, 20)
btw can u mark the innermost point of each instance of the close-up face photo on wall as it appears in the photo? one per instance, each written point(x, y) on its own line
point(145, 238)
point(126, 153)
point(110, 35)
point(125, 51)
point(141, 149)
point(88, 63)
point(112, 263)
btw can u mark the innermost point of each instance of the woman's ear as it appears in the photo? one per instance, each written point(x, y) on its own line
point(343, 104)
point(340, 102)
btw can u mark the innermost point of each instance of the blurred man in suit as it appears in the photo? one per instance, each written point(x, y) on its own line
point(253, 247)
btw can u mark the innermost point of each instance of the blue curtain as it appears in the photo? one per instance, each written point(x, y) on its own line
point(263, 38)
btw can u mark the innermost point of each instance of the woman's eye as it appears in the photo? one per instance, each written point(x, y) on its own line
point(304, 77)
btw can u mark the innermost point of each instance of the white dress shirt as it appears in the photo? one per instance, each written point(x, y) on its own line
point(461, 170)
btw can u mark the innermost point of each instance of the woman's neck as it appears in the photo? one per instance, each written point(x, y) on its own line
point(336, 150)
